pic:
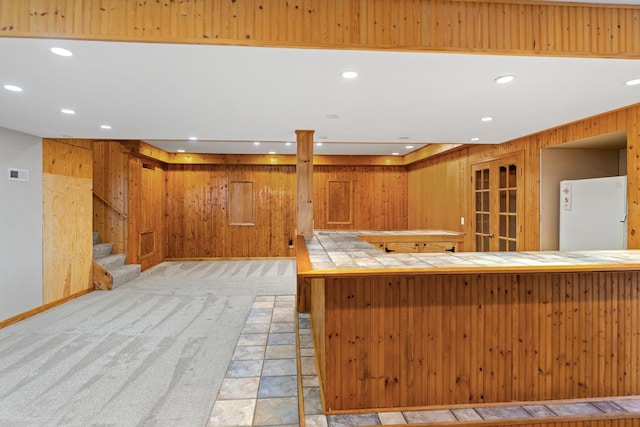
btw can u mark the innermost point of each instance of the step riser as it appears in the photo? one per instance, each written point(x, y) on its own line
point(125, 274)
point(101, 250)
point(114, 263)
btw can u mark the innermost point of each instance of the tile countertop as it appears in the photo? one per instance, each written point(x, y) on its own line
point(346, 252)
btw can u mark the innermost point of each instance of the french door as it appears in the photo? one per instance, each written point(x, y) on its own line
point(498, 204)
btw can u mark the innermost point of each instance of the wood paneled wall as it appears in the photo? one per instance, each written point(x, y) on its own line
point(438, 191)
point(379, 196)
point(403, 341)
point(447, 177)
point(522, 27)
point(197, 220)
point(147, 188)
point(67, 204)
point(111, 193)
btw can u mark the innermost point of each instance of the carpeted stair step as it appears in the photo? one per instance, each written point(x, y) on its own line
point(101, 250)
point(124, 274)
point(113, 261)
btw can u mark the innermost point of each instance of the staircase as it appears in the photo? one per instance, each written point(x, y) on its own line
point(119, 272)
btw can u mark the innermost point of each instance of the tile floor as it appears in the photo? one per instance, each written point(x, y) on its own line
point(261, 384)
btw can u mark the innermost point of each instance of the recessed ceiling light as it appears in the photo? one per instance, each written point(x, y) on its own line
point(408, 147)
point(193, 138)
point(13, 88)
point(504, 79)
point(256, 143)
point(180, 151)
point(395, 154)
point(287, 144)
point(332, 116)
point(272, 152)
point(629, 83)
point(318, 144)
point(323, 137)
point(105, 126)
point(475, 139)
point(486, 119)
point(67, 111)
point(61, 51)
point(403, 137)
point(349, 74)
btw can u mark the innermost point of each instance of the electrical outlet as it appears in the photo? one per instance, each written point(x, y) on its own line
point(461, 220)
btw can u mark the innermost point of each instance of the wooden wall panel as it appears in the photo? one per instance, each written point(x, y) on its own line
point(147, 241)
point(465, 26)
point(456, 339)
point(111, 193)
point(438, 192)
point(197, 211)
point(379, 196)
point(67, 225)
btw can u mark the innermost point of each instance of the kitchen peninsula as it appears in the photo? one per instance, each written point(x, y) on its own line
point(404, 330)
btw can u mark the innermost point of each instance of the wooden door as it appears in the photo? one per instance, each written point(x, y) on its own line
point(498, 204)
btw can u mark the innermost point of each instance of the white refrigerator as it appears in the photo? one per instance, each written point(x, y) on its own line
point(593, 214)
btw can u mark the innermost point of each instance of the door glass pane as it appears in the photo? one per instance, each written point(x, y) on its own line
point(512, 176)
point(503, 177)
point(512, 245)
point(503, 201)
point(512, 227)
point(503, 245)
point(479, 182)
point(485, 201)
point(503, 226)
point(478, 223)
point(512, 201)
point(485, 179)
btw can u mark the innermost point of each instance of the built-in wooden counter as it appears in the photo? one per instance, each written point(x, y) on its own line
point(403, 330)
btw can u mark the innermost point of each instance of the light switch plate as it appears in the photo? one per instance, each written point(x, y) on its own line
point(16, 174)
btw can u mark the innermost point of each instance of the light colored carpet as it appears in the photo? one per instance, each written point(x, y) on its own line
point(151, 353)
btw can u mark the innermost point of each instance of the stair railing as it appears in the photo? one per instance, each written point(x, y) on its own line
point(106, 202)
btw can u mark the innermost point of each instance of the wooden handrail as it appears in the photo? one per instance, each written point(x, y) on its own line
point(106, 202)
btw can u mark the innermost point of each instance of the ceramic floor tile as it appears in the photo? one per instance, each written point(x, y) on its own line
point(280, 339)
point(228, 413)
point(608, 407)
point(310, 381)
point(436, 415)
point(263, 304)
point(282, 327)
point(280, 352)
point(502, 412)
point(631, 405)
point(244, 368)
point(255, 328)
point(252, 339)
point(390, 418)
point(315, 421)
point(308, 366)
point(239, 388)
point(307, 352)
point(276, 411)
point(250, 352)
point(259, 319)
point(306, 341)
point(538, 411)
point(312, 400)
point(562, 409)
point(260, 311)
point(352, 420)
point(466, 414)
point(277, 367)
point(284, 386)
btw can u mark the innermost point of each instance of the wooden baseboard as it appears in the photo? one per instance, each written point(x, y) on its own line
point(37, 310)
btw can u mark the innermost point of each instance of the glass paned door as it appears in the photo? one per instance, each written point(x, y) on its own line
point(497, 200)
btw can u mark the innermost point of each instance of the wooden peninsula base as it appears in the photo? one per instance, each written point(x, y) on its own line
point(457, 333)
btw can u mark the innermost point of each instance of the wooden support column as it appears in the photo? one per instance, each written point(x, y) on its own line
point(304, 176)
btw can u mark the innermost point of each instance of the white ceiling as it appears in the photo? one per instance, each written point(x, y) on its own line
point(230, 97)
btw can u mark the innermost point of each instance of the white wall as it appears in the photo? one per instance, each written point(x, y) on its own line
point(557, 164)
point(20, 224)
